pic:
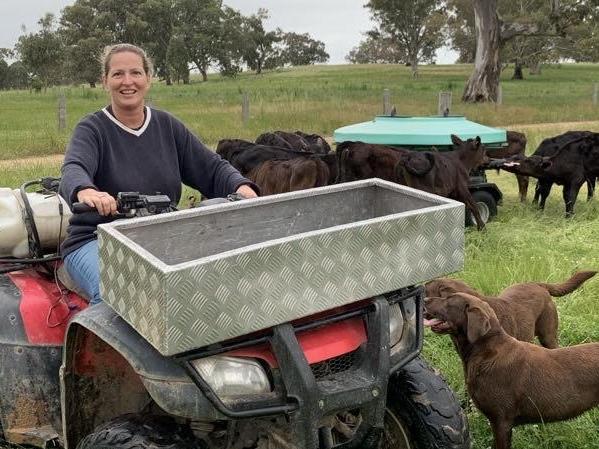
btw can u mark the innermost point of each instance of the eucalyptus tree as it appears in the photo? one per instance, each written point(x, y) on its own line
point(42, 53)
point(88, 26)
point(302, 49)
point(260, 49)
point(416, 26)
point(160, 19)
point(376, 49)
point(548, 19)
point(198, 25)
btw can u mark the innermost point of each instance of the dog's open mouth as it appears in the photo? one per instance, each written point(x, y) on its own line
point(438, 326)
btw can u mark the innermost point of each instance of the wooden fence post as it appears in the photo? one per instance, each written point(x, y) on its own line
point(444, 107)
point(499, 95)
point(386, 102)
point(245, 108)
point(595, 93)
point(62, 111)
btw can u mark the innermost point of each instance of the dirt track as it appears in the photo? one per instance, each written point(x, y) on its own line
point(8, 163)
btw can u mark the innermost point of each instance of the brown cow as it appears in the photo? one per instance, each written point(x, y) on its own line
point(445, 173)
point(516, 146)
point(359, 160)
point(279, 176)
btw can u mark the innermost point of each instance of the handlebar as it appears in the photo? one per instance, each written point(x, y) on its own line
point(130, 204)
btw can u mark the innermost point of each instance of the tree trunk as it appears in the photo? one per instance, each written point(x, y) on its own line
point(204, 74)
point(186, 77)
point(483, 83)
point(414, 65)
point(169, 80)
point(518, 75)
point(535, 68)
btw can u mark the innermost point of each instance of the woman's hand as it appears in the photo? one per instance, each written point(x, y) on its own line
point(246, 191)
point(104, 203)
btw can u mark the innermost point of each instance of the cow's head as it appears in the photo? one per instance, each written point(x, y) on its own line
point(473, 153)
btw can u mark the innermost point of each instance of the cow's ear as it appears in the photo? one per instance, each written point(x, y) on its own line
point(456, 140)
point(477, 140)
point(546, 163)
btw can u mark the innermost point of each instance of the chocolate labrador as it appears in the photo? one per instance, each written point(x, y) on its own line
point(524, 310)
point(514, 382)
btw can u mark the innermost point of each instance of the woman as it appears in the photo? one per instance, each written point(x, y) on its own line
point(129, 147)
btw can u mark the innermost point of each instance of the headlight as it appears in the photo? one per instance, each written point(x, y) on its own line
point(233, 376)
point(395, 324)
point(407, 326)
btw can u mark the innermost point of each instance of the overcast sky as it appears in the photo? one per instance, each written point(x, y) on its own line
point(338, 23)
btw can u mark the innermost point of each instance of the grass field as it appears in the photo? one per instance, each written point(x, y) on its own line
point(522, 244)
point(316, 99)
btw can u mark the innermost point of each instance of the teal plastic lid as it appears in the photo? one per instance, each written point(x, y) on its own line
point(418, 131)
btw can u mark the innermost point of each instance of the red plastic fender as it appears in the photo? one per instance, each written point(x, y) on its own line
point(45, 311)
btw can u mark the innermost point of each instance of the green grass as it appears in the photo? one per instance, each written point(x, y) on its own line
point(315, 99)
point(522, 244)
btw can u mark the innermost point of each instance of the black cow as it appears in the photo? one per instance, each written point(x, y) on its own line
point(277, 176)
point(516, 146)
point(317, 144)
point(445, 173)
point(570, 159)
point(359, 160)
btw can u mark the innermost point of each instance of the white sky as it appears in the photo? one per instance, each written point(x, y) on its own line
point(338, 23)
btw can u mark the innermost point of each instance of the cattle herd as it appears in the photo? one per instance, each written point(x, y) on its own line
point(282, 161)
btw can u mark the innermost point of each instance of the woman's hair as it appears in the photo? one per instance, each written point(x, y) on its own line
point(111, 50)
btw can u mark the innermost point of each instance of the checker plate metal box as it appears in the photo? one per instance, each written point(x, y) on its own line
point(192, 278)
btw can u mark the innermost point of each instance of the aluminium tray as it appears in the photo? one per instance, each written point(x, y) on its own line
point(192, 278)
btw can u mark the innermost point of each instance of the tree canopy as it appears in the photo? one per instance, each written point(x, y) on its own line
point(179, 36)
point(413, 31)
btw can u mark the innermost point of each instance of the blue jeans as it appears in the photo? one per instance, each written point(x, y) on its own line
point(83, 265)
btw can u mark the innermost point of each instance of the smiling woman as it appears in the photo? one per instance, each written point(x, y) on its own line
point(129, 147)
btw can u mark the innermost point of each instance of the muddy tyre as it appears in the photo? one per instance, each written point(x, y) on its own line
point(140, 432)
point(487, 207)
point(423, 412)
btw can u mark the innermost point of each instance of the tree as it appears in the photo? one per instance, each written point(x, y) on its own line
point(415, 25)
point(301, 49)
point(18, 76)
point(551, 19)
point(260, 51)
point(159, 15)
point(199, 27)
point(42, 52)
point(4, 68)
point(376, 49)
point(232, 43)
point(176, 58)
point(460, 28)
point(88, 26)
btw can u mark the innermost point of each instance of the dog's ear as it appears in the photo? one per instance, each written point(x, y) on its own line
point(478, 323)
point(445, 291)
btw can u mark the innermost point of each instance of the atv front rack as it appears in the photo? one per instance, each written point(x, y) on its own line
point(307, 400)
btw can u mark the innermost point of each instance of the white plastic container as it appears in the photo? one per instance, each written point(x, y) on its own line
point(51, 227)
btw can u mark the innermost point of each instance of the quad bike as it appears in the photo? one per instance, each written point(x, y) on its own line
point(74, 376)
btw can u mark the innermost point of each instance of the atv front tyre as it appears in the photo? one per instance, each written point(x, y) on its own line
point(423, 412)
point(140, 432)
point(487, 207)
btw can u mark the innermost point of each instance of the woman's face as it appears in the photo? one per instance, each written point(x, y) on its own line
point(127, 82)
